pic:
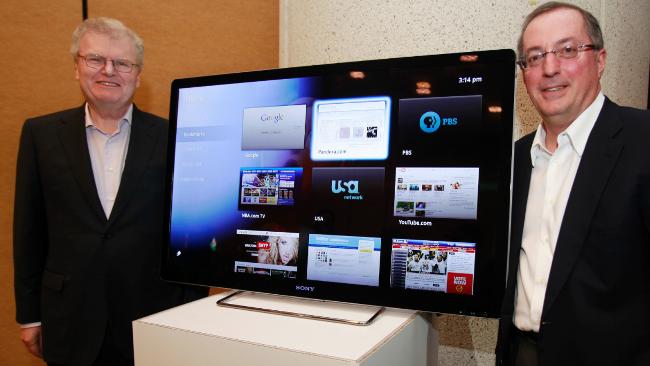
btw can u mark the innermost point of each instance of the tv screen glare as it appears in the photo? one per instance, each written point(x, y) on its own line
point(382, 182)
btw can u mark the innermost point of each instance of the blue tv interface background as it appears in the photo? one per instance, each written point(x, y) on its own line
point(209, 154)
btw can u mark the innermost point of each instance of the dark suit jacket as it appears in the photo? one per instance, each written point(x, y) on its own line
point(597, 305)
point(77, 271)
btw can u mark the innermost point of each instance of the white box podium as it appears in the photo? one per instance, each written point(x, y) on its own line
point(202, 333)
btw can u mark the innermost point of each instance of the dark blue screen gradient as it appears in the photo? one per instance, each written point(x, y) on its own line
point(208, 155)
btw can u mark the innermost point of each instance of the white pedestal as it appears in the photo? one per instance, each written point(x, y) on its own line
point(201, 333)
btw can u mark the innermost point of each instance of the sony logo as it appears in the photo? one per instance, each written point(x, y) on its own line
point(305, 288)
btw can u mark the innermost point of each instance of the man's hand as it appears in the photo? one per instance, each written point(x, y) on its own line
point(31, 338)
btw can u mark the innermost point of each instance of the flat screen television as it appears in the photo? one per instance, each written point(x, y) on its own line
point(381, 182)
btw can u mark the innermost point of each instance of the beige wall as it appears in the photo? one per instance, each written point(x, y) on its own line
point(327, 31)
point(36, 74)
point(197, 37)
point(182, 38)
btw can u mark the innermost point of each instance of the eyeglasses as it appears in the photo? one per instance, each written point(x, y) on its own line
point(97, 62)
point(567, 52)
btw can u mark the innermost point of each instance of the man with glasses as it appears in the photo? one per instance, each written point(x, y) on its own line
point(581, 197)
point(88, 218)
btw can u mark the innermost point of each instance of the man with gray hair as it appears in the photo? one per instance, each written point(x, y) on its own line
point(578, 288)
point(88, 217)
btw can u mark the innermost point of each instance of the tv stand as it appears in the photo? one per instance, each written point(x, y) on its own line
point(200, 333)
point(346, 313)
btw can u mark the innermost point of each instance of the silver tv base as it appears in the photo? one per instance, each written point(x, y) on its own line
point(353, 314)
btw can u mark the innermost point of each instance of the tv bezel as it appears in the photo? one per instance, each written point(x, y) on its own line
point(482, 304)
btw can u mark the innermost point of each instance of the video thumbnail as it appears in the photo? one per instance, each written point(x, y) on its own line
point(433, 265)
point(274, 128)
point(436, 192)
point(267, 253)
point(350, 199)
point(269, 186)
point(439, 127)
point(344, 259)
point(351, 129)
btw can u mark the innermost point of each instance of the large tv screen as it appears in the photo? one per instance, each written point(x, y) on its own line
point(381, 182)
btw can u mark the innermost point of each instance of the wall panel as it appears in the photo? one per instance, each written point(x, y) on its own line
point(38, 77)
point(182, 38)
point(198, 37)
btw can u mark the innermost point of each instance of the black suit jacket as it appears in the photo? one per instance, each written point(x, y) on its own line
point(77, 271)
point(597, 305)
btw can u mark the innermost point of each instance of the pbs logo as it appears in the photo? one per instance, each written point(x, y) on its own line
point(430, 122)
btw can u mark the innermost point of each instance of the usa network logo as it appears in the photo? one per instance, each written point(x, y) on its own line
point(351, 187)
point(430, 122)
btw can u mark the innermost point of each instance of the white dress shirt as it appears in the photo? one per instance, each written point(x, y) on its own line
point(550, 184)
point(107, 155)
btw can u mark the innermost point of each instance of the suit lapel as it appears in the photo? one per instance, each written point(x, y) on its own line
point(141, 144)
point(599, 158)
point(521, 182)
point(72, 135)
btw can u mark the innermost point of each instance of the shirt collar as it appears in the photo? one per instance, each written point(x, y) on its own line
point(127, 118)
point(538, 144)
point(577, 132)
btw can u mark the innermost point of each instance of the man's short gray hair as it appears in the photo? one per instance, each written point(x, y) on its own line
point(111, 27)
point(591, 23)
